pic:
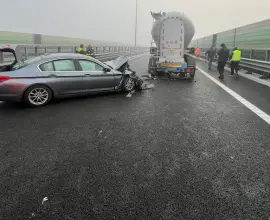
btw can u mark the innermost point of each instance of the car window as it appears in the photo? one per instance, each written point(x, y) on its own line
point(47, 67)
point(24, 63)
point(88, 65)
point(64, 65)
point(33, 60)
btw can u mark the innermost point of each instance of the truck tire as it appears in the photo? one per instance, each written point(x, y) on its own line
point(152, 66)
point(192, 75)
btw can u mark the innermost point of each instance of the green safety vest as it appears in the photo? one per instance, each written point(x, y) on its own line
point(236, 55)
point(81, 49)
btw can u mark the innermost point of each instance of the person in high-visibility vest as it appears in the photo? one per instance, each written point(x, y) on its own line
point(81, 49)
point(235, 60)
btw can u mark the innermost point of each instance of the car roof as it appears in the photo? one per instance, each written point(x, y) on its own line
point(52, 56)
point(55, 56)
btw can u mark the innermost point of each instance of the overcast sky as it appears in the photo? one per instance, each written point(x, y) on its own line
point(114, 20)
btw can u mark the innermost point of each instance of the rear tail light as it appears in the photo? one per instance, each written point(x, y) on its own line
point(4, 78)
point(188, 70)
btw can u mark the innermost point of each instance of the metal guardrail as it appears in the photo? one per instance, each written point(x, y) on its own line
point(251, 66)
point(102, 53)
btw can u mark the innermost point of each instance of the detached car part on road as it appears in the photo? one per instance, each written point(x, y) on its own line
point(52, 76)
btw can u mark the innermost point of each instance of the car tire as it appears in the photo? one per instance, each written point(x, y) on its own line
point(37, 96)
point(129, 84)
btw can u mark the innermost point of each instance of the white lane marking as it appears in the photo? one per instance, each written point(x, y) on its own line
point(246, 103)
point(137, 56)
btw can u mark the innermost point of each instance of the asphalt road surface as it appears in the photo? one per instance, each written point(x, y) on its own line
point(182, 150)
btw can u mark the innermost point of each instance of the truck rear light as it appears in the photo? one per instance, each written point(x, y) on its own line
point(4, 78)
point(188, 70)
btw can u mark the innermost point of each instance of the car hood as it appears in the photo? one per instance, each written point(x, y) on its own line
point(117, 63)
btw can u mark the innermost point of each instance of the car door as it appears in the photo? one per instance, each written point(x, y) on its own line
point(95, 78)
point(62, 76)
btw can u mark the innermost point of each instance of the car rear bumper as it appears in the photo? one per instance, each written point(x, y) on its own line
point(10, 97)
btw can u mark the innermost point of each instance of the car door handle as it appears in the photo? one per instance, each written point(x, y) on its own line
point(52, 75)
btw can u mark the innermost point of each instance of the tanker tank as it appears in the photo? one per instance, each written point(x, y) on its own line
point(189, 29)
point(172, 33)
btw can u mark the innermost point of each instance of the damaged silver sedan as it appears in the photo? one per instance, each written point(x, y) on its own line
point(39, 80)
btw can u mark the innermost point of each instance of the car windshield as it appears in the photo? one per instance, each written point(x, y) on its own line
point(21, 64)
point(107, 65)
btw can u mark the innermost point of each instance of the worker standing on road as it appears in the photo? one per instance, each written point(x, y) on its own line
point(235, 60)
point(89, 49)
point(223, 56)
point(211, 54)
point(81, 49)
point(197, 52)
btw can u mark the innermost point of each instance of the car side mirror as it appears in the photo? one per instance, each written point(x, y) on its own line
point(106, 70)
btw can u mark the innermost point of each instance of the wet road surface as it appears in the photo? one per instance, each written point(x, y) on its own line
point(182, 150)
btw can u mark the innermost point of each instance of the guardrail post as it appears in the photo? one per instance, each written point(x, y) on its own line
point(1, 57)
point(45, 49)
point(267, 55)
point(251, 54)
point(26, 53)
point(36, 51)
point(59, 49)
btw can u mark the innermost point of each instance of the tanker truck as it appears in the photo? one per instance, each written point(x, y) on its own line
point(172, 32)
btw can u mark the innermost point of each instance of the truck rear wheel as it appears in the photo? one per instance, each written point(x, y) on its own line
point(192, 75)
point(152, 66)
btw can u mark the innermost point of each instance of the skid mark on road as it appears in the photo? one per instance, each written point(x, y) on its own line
point(246, 103)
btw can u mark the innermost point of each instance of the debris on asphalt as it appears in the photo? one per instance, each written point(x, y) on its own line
point(44, 200)
point(100, 132)
point(129, 95)
point(150, 86)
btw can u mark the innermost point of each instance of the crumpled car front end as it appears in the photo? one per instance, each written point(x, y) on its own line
point(121, 65)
